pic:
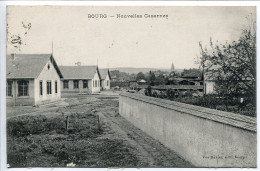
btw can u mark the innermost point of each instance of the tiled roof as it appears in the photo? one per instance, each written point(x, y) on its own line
point(79, 72)
point(27, 65)
point(104, 73)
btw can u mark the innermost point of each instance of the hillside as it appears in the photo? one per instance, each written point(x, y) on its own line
point(131, 70)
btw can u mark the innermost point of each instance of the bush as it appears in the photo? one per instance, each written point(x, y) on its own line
point(26, 125)
point(170, 93)
point(148, 91)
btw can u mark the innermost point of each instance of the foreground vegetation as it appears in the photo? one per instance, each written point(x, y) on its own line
point(41, 141)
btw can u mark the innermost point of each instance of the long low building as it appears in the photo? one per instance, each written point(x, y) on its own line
point(80, 79)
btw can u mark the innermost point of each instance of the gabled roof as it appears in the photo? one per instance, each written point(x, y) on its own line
point(79, 72)
point(104, 73)
point(28, 65)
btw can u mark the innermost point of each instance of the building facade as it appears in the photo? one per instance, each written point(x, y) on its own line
point(32, 79)
point(80, 79)
point(105, 79)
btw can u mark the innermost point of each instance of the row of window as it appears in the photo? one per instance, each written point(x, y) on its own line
point(23, 88)
point(75, 84)
point(49, 87)
point(96, 83)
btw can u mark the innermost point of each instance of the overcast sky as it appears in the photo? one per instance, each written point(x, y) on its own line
point(129, 42)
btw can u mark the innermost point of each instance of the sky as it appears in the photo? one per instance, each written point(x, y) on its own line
point(124, 42)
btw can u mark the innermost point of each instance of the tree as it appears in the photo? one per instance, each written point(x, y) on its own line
point(191, 71)
point(148, 91)
point(233, 65)
point(140, 76)
point(152, 78)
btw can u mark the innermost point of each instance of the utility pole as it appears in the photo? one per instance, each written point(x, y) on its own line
point(52, 51)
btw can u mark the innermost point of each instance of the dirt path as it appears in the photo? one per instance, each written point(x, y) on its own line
point(150, 150)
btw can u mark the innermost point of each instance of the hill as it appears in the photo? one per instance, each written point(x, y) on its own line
point(132, 70)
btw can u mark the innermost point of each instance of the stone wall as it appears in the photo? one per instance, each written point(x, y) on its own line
point(204, 137)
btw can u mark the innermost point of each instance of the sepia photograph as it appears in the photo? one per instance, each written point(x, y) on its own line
point(131, 86)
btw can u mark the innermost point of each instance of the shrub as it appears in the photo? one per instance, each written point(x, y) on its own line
point(148, 91)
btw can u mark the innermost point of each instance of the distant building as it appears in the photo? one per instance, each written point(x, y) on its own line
point(105, 79)
point(133, 83)
point(113, 78)
point(80, 79)
point(172, 71)
point(32, 79)
point(141, 81)
point(191, 79)
point(209, 84)
point(172, 68)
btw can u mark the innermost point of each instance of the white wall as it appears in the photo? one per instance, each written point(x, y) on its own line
point(47, 75)
point(94, 88)
point(205, 137)
point(104, 83)
point(209, 87)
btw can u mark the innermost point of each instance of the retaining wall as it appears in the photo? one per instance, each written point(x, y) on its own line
point(204, 137)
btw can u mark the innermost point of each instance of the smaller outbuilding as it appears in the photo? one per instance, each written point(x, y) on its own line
point(105, 79)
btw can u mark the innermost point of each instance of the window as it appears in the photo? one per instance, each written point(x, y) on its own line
point(107, 82)
point(48, 87)
point(76, 83)
point(66, 84)
point(23, 88)
point(95, 83)
point(9, 88)
point(40, 88)
point(85, 83)
point(56, 87)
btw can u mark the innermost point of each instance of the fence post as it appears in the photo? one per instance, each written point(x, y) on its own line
point(98, 122)
point(67, 124)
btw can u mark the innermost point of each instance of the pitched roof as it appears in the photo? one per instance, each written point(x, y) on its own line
point(79, 72)
point(104, 73)
point(28, 65)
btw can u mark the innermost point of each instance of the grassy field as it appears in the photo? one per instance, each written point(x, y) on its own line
point(42, 141)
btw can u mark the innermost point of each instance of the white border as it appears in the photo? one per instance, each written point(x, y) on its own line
point(3, 5)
